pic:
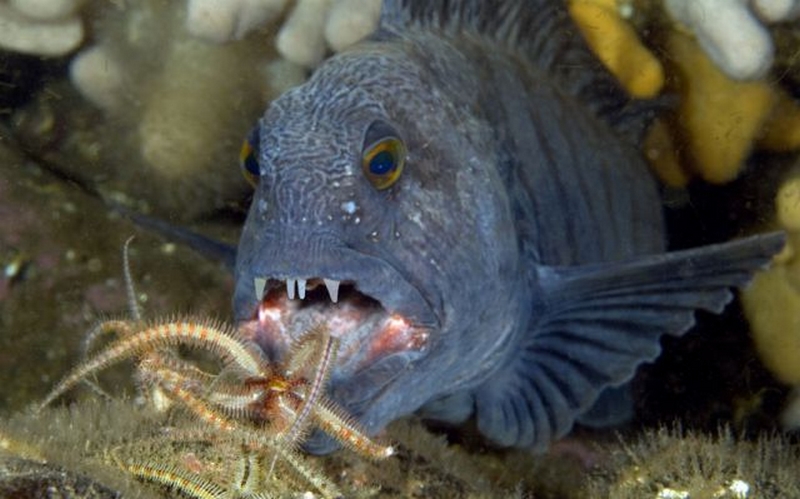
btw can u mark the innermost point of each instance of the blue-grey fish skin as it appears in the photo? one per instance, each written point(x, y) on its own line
point(523, 241)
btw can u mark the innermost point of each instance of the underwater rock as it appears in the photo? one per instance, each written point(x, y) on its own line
point(65, 247)
point(26, 478)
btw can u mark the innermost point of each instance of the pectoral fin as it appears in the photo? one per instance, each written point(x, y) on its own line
point(598, 324)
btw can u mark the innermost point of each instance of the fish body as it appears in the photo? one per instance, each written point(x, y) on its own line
point(514, 267)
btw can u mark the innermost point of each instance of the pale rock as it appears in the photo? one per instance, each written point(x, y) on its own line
point(46, 10)
point(311, 28)
point(99, 77)
point(774, 11)
point(301, 39)
point(733, 33)
point(223, 20)
point(351, 20)
point(52, 38)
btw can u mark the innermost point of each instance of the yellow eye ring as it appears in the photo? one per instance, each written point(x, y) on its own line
point(383, 162)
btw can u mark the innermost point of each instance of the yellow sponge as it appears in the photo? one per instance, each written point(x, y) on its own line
point(772, 305)
point(772, 301)
point(782, 131)
point(721, 118)
point(617, 45)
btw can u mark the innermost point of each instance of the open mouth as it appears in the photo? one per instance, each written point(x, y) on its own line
point(368, 330)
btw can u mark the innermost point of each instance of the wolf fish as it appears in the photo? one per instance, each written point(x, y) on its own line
point(461, 197)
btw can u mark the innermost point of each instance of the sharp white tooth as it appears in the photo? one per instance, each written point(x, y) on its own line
point(301, 288)
point(333, 289)
point(260, 284)
point(290, 288)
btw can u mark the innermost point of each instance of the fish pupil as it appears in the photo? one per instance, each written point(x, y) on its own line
point(250, 164)
point(382, 163)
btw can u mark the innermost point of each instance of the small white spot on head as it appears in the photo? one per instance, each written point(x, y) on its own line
point(262, 206)
point(349, 207)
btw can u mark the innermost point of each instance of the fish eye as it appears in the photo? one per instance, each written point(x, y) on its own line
point(248, 157)
point(384, 156)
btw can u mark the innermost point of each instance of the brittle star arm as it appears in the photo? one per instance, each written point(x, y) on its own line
point(208, 335)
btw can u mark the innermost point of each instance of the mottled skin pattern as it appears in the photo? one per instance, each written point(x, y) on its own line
point(452, 222)
point(509, 177)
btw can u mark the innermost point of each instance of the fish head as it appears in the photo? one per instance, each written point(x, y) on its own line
point(380, 211)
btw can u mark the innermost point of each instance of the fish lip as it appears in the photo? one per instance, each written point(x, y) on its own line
point(371, 276)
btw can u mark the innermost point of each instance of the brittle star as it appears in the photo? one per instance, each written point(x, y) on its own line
point(267, 406)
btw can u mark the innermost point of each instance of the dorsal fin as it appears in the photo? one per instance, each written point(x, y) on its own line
point(540, 31)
